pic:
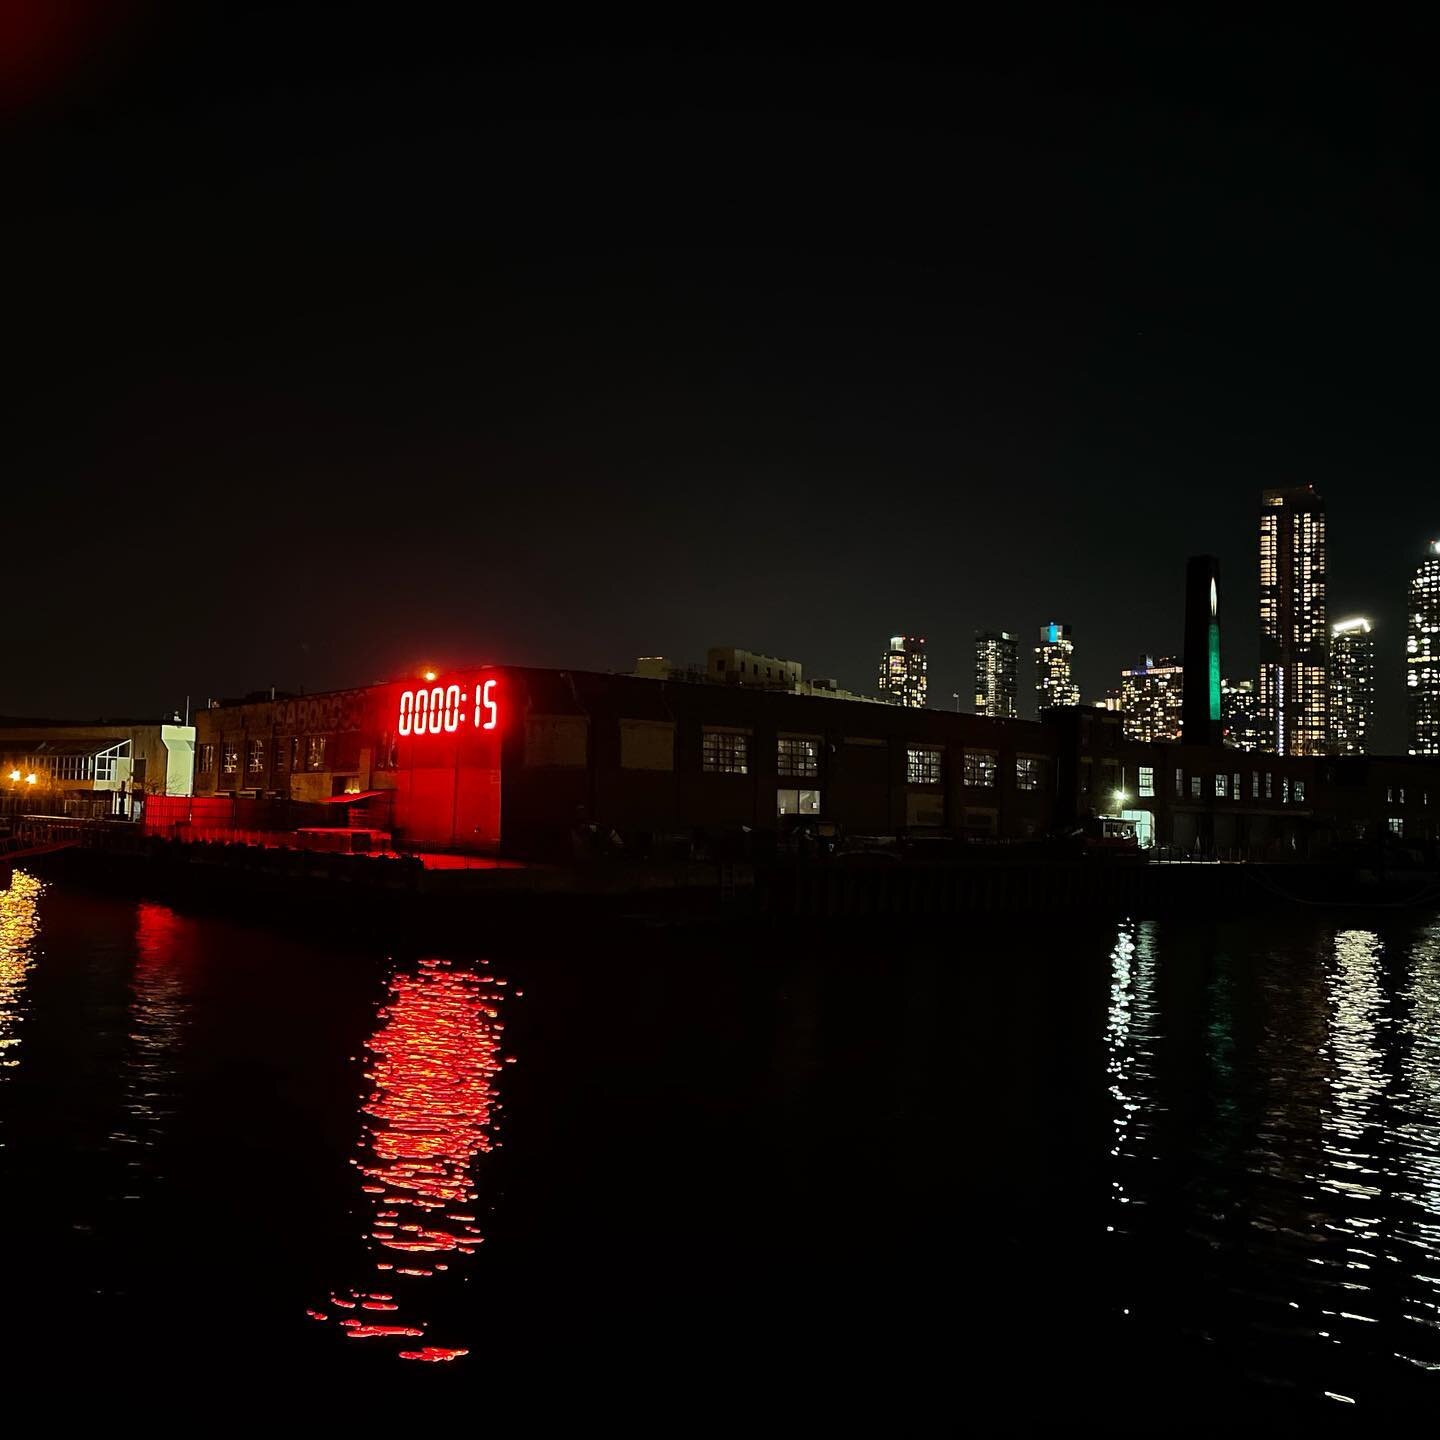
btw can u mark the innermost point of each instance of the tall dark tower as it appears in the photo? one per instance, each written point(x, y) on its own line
point(1200, 721)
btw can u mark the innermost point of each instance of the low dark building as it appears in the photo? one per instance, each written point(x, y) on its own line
point(516, 760)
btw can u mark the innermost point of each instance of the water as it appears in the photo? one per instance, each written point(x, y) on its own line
point(1140, 1173)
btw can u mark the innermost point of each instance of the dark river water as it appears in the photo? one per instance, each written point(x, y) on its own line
point(1144, 1174)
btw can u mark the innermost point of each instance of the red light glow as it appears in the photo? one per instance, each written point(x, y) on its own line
point(433, 1063)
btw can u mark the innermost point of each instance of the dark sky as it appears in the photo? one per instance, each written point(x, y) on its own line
point(338, 345)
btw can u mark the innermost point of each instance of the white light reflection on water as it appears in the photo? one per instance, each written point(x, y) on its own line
point(1131, 1031)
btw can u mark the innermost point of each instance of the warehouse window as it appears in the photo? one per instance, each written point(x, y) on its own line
point(206, 761)
point(282, 749)
point(647, 745)
point(1397, 825)
point(1147, 781)
point(1029, 772)
point(797, 802)
point(1284, 789)
point(1269, 786)
point(980, 768)
point(1220, 787)
point(255, 760)
point(724, 752)
point(1179, 782)
point(922, 767)
point(798, 758)
point(1299, 792)
point(1235, 787)
point(1254, 784)
point(230, 759)
point(1194, 787)
point(315, 752)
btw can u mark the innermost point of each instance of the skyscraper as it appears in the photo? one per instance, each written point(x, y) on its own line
point(1352, 686)
point(996, 667)
point(1054, 677)
point(1293, 635)
point(1238, 716)
point(1422, 656)
point(1151, 699)
point(905, 671)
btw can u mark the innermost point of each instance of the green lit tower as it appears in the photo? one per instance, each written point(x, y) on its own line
point(1200, 713)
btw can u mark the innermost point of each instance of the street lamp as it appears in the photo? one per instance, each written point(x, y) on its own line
point(1120, 798)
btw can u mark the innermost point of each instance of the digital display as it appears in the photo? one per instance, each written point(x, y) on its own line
point(445, 709)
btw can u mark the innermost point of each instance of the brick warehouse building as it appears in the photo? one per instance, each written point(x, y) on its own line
point(511, 759)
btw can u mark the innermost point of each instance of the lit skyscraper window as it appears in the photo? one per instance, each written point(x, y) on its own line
point(1054, 668)
point(1293, 635)
point(1422, 656)
point(905, 671)
point(996, 669)
point(1352, 686)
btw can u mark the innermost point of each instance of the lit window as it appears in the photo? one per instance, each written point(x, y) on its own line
point(1389, 794)
point(980, 768)
point(1029, 772)
point(1402, 794)
point(1299, 792)
point(294, 752)
point(230, 759)
point(1235, 787)
point(207, 759)
point(1195, 787)
point(1179, 782)
point(797, 802)
point(282, 749)
point(1396, 824)
point(1147, 781)
point(1269, 786)
point(723, 752)
point(1284, 789)
point(255, 758)
point(798, 759)
point(1254, 784)
point(315, 752)
point(1220, 787)
point(922, 767)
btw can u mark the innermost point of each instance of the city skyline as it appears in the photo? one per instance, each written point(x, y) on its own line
point(515, 433)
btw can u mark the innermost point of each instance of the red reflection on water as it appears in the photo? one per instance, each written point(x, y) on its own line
point(432, 1063)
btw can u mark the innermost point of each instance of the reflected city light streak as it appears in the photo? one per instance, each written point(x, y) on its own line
point(19, 927)
point(1131, 1032)
point(433, 1066)
point(159, 1013)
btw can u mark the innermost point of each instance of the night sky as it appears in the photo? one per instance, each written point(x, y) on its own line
point(337, 345)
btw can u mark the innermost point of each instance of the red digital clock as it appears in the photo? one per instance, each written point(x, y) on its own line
point(444, 709)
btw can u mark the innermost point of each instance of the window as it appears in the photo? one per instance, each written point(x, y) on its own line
point(797, 802)
point(1254, 784)
point(797, 758)
point(922, 767)
point(206, 759)
point(1029, 772)
point(229, 759)
point(1220, 787)
point(1235, 787)
point(980, 768)
point(1195, 787)
point(1269, 786)
point(314, 752)
point(1147, 782)
point(1397, 825)
point(647, 745)
point(106, 762)
point(255, 759)
point(282, 750)
point(294, 752)
point(724, 752)
point(1299, 792)
point(1179, 782)
point(1389, 794)
point(1402, 794)
point(1284, 789)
